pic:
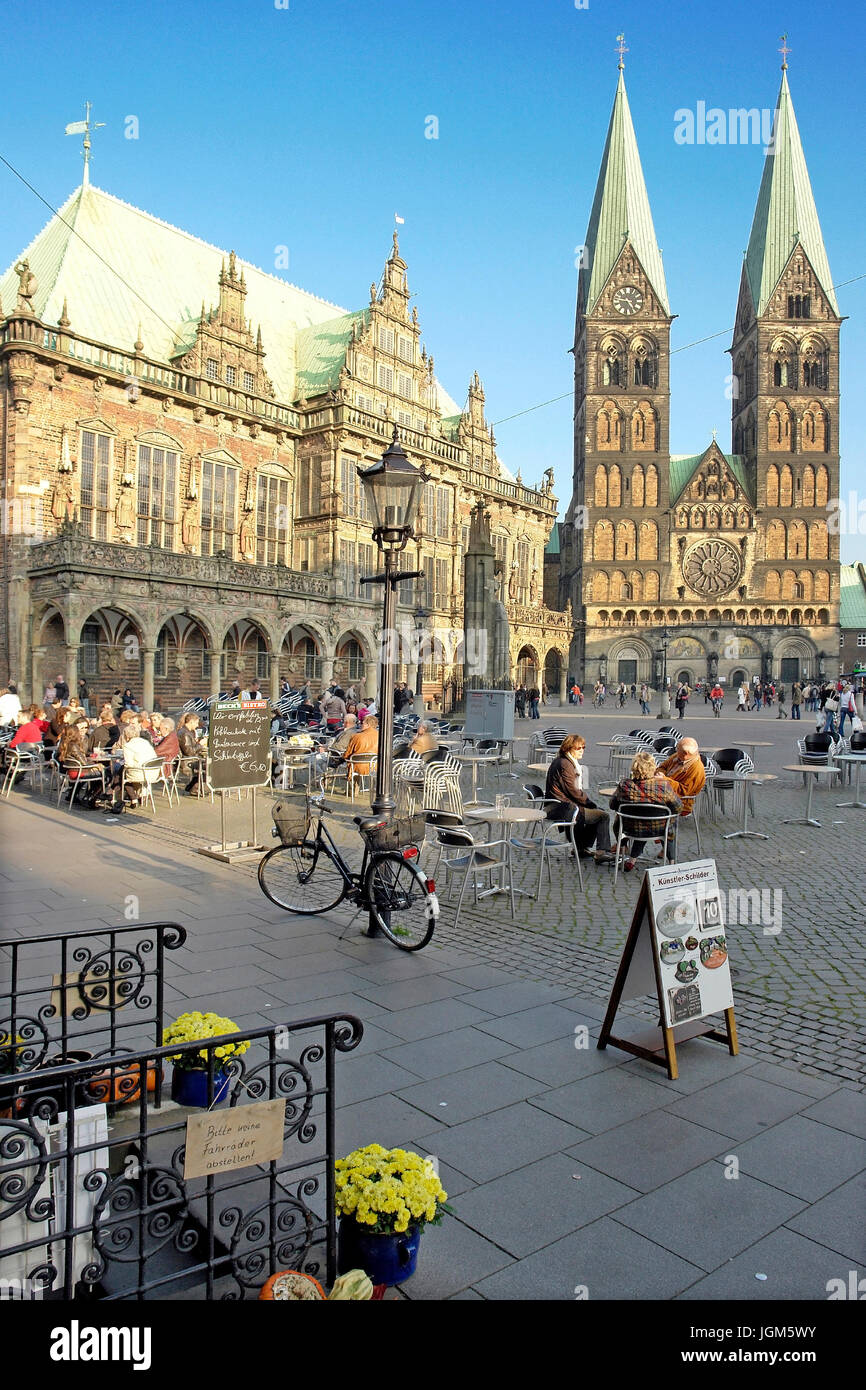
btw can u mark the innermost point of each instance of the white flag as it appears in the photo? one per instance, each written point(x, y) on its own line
point(76, 128)
point(399, 219)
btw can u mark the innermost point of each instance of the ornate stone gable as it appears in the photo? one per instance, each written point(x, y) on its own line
point(627, 273)
point(799, 279)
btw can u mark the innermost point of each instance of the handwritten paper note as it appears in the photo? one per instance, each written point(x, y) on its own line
point(220, 1140)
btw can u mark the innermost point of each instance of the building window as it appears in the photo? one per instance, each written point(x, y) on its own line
point(404, 349)
point(348, 568)
point(404, 419)
point(272, 521)
point(263, 665)
point(249, 381)
point(522, 571)
point(159, 656)
point(95, 483)
point(353, 659)
point(218, 502)
point(366, 569)
point(363, 402)
point(231, 376)
point(443, 512)
point(305, 553)
point(386, 378)
point(386, 339)
point(308, 493)
point(861, 639)
point(404, 385)
point(799, 306)
point(157, 492)
point(212, 369)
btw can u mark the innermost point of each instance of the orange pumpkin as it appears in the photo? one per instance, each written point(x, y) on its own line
point(289, 1285)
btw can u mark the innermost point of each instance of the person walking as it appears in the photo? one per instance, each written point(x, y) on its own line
point(682, 698)
point(847, 707)
point(796, 699)
point(534, 696)
point(644, 698)
point(783, 713)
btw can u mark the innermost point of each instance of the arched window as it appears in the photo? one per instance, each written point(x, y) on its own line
point(776, 540)
point(772, 486)
point(699, 519)
point(637, 486)
point(644, 427)
point(779, 423)
point(600, 587)
point(815, 428)
point(651, 586)
point(788, 584)
point(786, 486)
point(608, 427)
point(797, 540)
point(818, 541)
point(600, 494)
point(822, 487)
point(614, 487)
point(625, 540)
point(617, 586)
point(649, 541)
point(713, 519)
point(749, 382)
point(799, 306)
point(652, 486)
point(773, 584)
point(602, 541)
point(808, 486)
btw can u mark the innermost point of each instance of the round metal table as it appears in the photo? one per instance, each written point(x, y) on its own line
point(810, 770)
point(856, 760)
point(755, 779)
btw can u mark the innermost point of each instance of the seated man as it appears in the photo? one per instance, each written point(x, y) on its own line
point(362, 746)
point(31, 727)
point(686, 771)
point(105, 734)
point(647, 783)
point(423, 742)
point(592, 826)
point(167, 745)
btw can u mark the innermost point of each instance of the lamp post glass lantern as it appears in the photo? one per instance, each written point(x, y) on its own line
point(393, 489)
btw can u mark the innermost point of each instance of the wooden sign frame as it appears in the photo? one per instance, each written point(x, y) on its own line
point(658, 1044)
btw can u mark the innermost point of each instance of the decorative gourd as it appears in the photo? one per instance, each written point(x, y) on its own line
point(355, 1286)
point(289, 1285)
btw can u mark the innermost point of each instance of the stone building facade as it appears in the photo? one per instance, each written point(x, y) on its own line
point(182, 506)
point(732, 553)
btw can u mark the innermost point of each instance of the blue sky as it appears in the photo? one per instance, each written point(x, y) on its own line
point(305, 127)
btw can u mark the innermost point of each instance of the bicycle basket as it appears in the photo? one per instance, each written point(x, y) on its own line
point(291, 821)
point(402, 830)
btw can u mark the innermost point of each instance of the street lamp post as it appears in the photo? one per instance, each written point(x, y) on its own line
point(420, 616)
point(394, 492)
point(665, 697)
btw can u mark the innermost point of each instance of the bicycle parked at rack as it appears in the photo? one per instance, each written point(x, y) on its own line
point(307, 874)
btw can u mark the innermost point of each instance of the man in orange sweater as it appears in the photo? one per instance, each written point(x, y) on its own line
point(362, 746)
point(685, 769)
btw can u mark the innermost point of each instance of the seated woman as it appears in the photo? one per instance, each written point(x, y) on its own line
point(423, 742)
point(563, 788)
point(138, 762)
point(74, 756)
point(646, 783)
point(167, 745)
point(191, 751)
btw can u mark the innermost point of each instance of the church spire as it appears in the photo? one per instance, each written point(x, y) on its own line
point(785, 212)
point(620, 210)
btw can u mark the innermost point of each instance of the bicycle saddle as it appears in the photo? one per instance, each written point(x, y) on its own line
point(367, 823)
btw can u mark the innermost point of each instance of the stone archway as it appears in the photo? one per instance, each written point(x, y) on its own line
point(110, 655)
point(182, 667)
point(554, 676)
point(528, 667)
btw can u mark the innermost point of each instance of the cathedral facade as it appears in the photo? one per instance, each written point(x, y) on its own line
point(182, 433)
point(725, 561)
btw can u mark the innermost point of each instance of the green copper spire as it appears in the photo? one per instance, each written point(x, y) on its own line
point(620, 211)
point(785, 213)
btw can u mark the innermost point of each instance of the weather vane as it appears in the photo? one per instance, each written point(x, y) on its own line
point(621, 49)
point(784, 50)
point(84, 128)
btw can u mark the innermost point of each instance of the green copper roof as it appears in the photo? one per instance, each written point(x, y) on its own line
point(785, 212)
point(852, 597)
point(552, 547)
point(685, 466)
point(321, 352)
point(620, 211)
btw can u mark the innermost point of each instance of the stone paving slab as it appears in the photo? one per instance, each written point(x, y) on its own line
point(795, 1268)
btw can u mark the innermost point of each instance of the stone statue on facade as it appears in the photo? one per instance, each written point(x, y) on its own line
point(27, 286)
point(124, 512)
point(62, 501)
point(512, 583)
point(247, 538)
point(190, 527)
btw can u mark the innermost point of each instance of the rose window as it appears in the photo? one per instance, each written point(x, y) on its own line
point(711, 567)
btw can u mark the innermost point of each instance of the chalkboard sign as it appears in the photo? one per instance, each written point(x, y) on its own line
point(239, 745)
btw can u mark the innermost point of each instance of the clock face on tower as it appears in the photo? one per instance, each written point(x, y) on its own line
point(627, 299)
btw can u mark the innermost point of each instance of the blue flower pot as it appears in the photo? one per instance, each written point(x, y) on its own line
point(189, 1087)
point(385, 1259)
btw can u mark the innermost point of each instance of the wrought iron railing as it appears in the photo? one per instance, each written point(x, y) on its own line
point(98, 991)
point(94, 1197)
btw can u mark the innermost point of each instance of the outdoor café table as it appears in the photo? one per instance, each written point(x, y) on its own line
point(810, 770)
point(473, 759)
point(751, 744)
point(507, 815)
point(756, 779)
point(856, 760)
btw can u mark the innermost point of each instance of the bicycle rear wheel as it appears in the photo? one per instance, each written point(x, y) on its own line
point(301, 878)
point(400, 901)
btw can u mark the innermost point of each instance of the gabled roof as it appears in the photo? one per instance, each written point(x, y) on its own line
point(553, 547)
point(852, 597)
point(785, 212)
point(685, 466)
point(321, 353)
point(620, 211)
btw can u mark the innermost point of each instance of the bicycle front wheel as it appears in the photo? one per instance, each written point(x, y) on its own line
point(400, 901)
point(301, 878)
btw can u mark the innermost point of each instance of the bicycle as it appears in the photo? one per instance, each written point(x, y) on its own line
point(306, 874)
point(717, 708)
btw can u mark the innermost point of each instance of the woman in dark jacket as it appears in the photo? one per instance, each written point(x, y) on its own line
point(191, 751)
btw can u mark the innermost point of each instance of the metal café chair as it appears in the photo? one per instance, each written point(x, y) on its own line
point(23, 761)
point(629, 817)
point(557, 837)
point(84, 773)
point(473, 857)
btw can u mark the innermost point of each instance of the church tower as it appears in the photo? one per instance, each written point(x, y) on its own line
point(785, 416)
point(612, 538)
